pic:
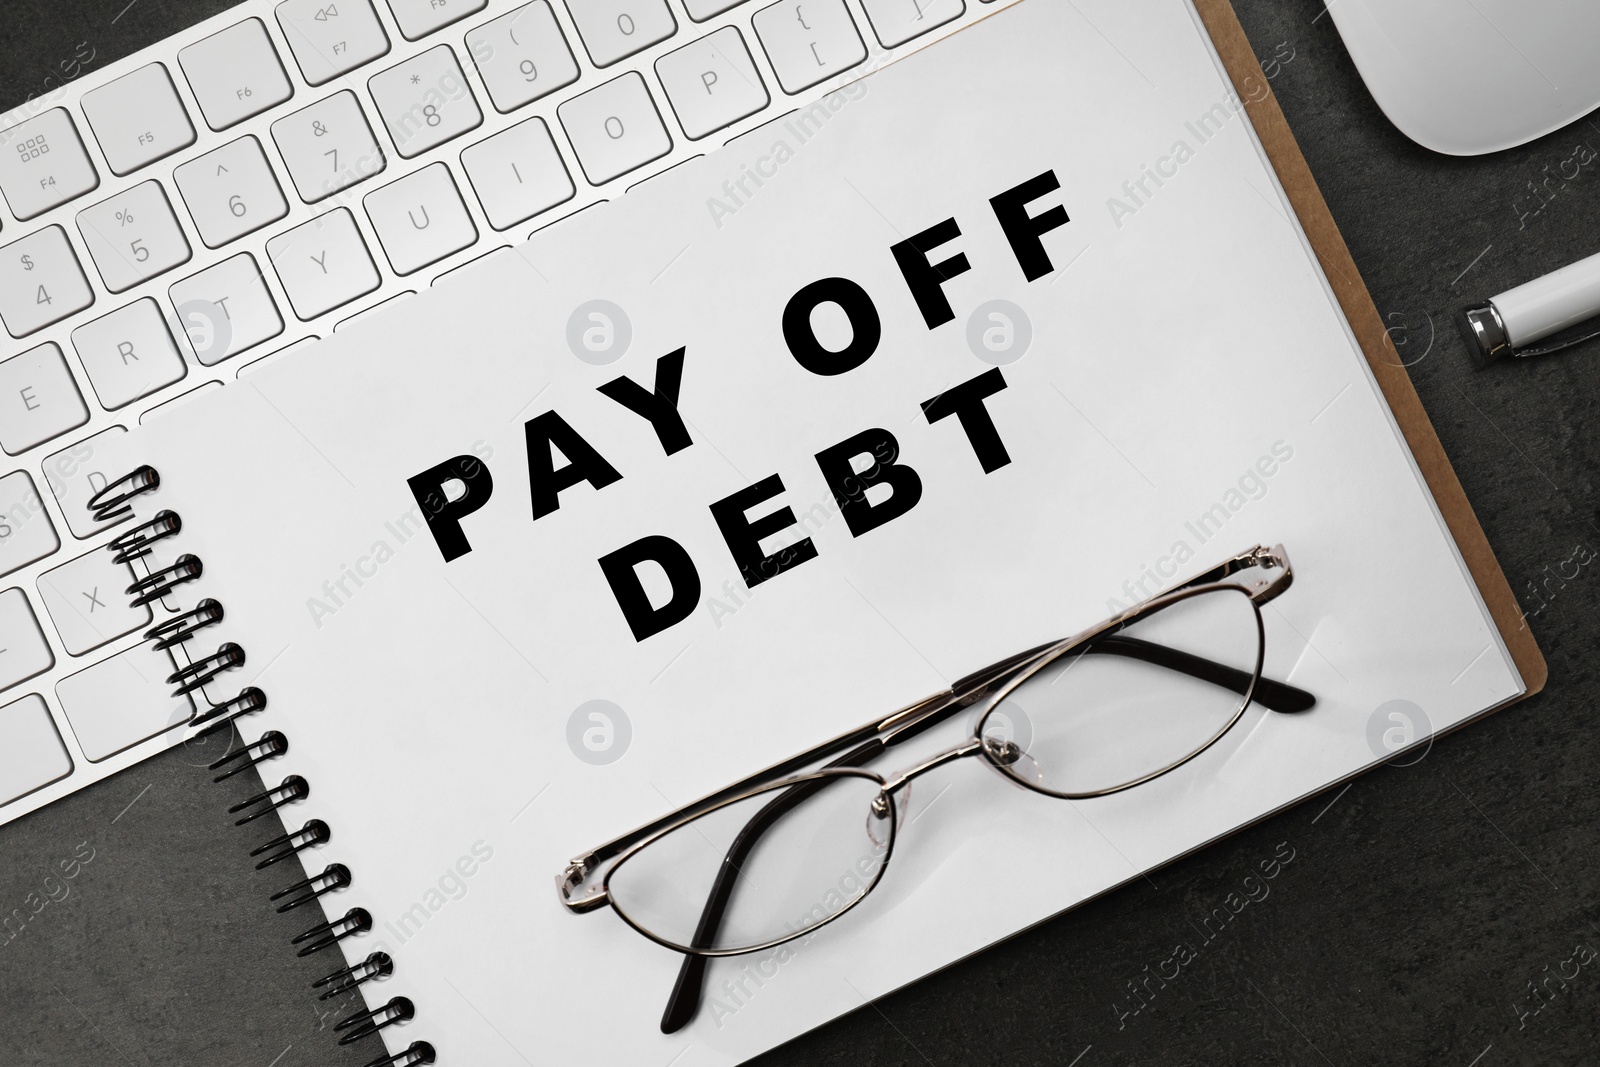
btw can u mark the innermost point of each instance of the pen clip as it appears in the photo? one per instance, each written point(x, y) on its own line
point(1556, 346)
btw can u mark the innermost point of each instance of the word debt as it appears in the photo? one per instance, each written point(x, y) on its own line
point(850, 468)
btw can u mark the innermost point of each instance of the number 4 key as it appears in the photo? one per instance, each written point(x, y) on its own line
point(41, 282)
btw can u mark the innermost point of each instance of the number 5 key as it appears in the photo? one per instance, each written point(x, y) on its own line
point(133, 236)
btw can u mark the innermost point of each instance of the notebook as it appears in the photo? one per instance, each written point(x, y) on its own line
point(498, 619)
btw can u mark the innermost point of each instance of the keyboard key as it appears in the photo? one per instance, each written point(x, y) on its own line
point(24, 652)
point(425, 101)
point(77, 473)
point(418, 18)
point(712, 83)
point(87, 600)
point(420, 219)
point(235, 73)
point(615, 128)
point(898, 21)
point(230, 191)
point(41, 282)
point(700, 10)
point(331, 38)
point(128, 354)
point(328, 146)
point(38, 399)
point(226, 309)
point(616, 29)
point(809, 41)
point(522, 56)
point(121, 701)
point(31, 753)
point(43, 163)
point(138, 119)
point(133, 236)
point(26, 533)
point(518, 173)
point(323, 263)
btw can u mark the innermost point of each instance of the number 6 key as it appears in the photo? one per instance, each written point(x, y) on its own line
point(230, 191)
point(133, 236)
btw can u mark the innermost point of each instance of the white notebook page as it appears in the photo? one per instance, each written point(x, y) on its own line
point(1181, 345)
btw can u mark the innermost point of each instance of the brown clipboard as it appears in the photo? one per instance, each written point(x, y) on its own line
point(1255, 90)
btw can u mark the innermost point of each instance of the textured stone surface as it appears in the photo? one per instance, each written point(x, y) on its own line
point(1418, 906)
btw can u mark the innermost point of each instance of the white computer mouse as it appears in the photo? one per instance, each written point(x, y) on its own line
point(1465, 77)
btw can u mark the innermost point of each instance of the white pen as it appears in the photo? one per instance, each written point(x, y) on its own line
point(1510, 323)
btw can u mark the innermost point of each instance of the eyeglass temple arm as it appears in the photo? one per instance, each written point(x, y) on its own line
point(1270, 694)
point(684, 1001)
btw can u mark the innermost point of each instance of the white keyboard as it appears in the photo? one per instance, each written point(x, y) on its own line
point(174, 219)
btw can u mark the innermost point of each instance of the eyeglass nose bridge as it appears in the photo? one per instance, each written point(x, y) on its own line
point(970, 747)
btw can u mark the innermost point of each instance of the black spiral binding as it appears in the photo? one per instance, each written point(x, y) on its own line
point(189, 678)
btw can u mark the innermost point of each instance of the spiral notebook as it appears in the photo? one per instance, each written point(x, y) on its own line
point(486, 580)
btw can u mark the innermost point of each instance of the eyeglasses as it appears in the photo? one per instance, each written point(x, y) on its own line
point(777, 855)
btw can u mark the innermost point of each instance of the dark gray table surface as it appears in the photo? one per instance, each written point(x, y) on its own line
point(1422, 908)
